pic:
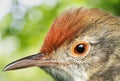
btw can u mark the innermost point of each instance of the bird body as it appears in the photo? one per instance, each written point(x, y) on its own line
point(81, 45)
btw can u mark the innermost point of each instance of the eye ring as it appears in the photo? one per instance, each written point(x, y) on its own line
point(80, 48)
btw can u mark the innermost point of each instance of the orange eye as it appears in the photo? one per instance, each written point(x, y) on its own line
point(80, 48)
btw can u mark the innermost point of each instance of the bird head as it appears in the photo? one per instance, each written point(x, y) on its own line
point(80, 43)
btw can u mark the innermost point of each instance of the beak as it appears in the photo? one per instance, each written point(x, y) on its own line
point(29, 61)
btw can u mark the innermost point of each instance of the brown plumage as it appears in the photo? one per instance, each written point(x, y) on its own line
point(81, 45)
point(68, 26)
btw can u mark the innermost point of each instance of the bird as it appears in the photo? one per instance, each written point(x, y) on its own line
point(82, 44)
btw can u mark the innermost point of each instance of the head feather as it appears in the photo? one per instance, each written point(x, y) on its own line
point(67, 26)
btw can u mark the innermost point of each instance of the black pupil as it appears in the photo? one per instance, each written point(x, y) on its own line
point(80, 48)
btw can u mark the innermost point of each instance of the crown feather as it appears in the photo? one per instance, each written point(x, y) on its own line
point(67, 26)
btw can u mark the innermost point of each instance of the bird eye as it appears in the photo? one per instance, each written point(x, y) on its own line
point(80, 48)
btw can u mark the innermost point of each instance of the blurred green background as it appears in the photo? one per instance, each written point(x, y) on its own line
point(24, 24)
